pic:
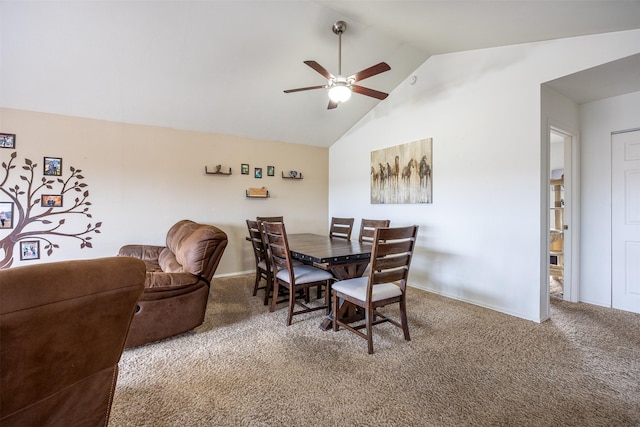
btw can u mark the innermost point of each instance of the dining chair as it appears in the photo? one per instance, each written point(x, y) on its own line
point(260, 220)
point(386, 283)
point(341, 228)
point(368, 227)
point(296, 278)
point(263, 265)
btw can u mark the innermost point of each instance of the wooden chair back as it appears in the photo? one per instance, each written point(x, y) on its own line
point(270, 218)
point(341, 228)
point(263, 263)
point(276, 238)
point(259, 248)
point(261, 220)
point(368, 228)
point(391, 256)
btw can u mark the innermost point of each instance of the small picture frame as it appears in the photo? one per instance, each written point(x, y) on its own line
point(271, 171)
point(29, 249)
point(8, 140)
point(52, 166)
point(51, 201)
point(258, 172)
point(244, 169)
point(6, 215)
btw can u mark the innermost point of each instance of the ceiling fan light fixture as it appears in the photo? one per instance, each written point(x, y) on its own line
point(339, 92)
point(339, 88)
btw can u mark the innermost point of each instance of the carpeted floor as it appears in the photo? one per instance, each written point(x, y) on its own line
point(556, 288)
point(465, 365)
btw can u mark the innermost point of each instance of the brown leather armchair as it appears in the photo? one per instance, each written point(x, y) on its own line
point(63, 327)
point(177, 283)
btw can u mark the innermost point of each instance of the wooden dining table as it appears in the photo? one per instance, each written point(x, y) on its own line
point(345, 259)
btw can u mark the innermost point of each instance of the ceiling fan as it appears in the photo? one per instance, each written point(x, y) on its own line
point(340, 87)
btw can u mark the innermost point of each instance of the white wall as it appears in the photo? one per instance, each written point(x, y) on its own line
point(481, 240)
point(598, 120)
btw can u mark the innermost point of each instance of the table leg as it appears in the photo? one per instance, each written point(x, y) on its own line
point(347, 311)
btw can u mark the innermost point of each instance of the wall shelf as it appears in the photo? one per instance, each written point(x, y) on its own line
point(217, 172)
point(298, 176)
point(256, 196)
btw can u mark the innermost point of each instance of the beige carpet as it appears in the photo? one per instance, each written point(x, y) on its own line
point(465, 365)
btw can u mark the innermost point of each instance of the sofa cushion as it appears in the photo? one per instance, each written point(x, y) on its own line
point(168, 262)
point(192, 245)
point(157, 281)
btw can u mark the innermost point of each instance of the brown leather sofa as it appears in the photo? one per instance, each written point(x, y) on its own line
point(63, 327)
point(178, 280)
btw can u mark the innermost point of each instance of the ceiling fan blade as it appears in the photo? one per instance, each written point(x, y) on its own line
point(332, 105)
point(369, 92)
point(319, 68)
point(370, 72)
point(304, 88)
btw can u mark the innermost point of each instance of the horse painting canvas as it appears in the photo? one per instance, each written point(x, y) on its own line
point(402, 174)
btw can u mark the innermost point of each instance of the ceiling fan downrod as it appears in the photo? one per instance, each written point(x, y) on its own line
point(339, 28)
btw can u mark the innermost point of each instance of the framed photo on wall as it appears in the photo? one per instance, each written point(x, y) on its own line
point(53, 166)
point(6, 215)
point(258, 172)
point(271, 171)
point(51, 201)
point(244, 169)
point(7, 140)
point(29, 249)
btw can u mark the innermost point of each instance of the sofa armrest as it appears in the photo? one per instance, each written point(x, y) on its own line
point(147, 253)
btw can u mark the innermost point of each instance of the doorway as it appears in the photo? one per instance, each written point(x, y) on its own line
point(556, 214)
point(562, 196)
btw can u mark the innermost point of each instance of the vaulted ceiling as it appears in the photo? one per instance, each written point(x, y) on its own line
point(221, 66)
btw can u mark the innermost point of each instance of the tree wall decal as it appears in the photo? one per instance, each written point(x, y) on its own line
point(33, 221)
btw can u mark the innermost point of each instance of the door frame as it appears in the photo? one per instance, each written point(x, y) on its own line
point(571, 285)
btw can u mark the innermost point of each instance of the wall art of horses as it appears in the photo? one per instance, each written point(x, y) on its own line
point(402, 174)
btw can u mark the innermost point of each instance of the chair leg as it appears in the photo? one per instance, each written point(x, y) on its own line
point(256, 283)
point(369, 320)
point(267, 290)
point(274, 298)
point(327, 296)
point(403, 320)
point(292, 304)
point(335, 311)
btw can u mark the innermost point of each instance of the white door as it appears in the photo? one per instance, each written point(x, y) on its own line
point(625, 221)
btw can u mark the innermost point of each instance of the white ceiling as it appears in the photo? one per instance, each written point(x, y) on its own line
point(221, 66)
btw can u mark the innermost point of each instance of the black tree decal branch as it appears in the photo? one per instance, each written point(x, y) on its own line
point(32, 221)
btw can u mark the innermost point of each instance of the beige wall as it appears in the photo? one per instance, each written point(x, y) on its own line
point(142, 179)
